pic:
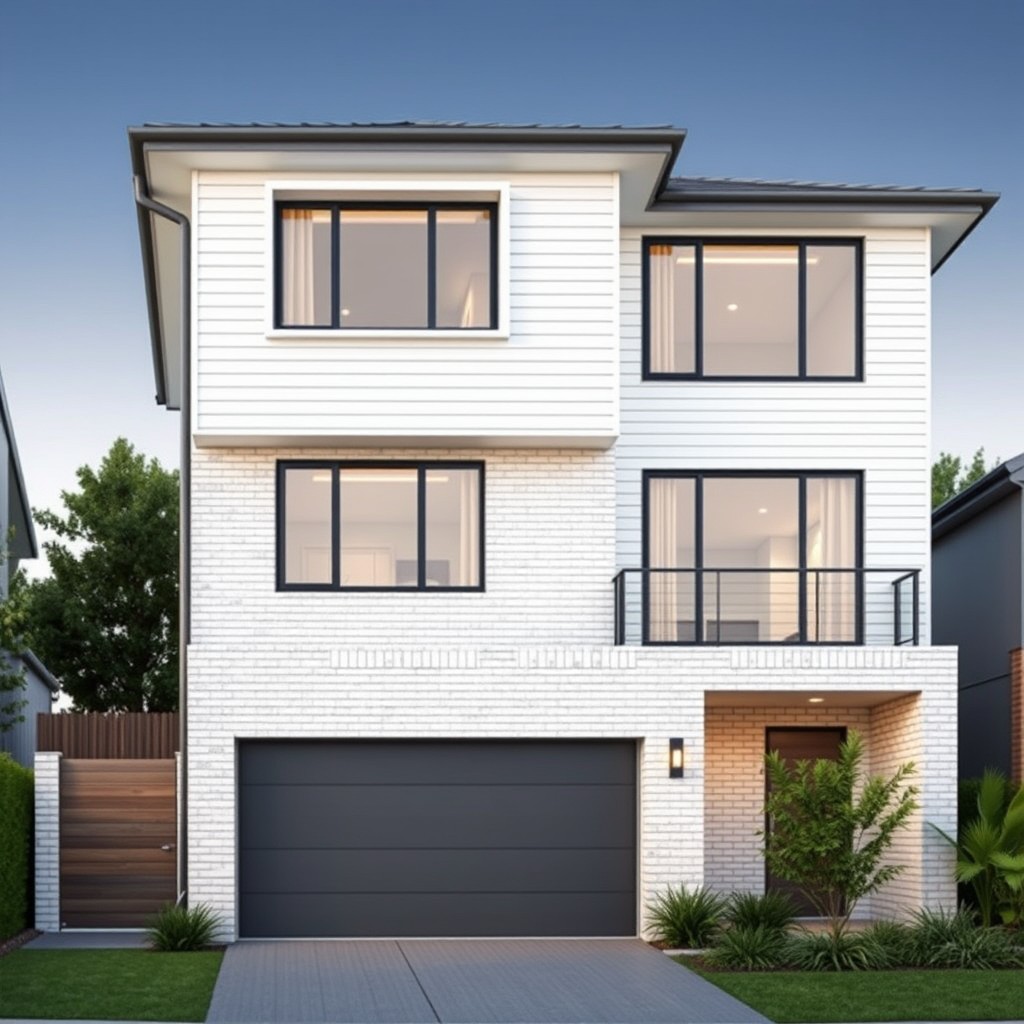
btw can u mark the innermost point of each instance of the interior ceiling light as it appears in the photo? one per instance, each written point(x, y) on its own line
point(732, 307)
point(762, 511)
point(815, 700)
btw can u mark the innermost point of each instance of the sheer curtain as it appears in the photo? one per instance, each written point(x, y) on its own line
point(662, 309)
point(663, 587)
point(297, 295)
point(469, 530)
point(834, 546)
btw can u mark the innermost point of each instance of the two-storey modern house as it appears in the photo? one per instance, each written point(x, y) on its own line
point(530, 495)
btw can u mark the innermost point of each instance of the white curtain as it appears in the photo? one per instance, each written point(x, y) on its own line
point(662, 311)
point(833, 600)
point(297, 302)
point(663, 587)
point(469, 530)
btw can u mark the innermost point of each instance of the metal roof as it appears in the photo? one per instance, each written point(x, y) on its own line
point(1006, 478)
point(696, 185)
point(472, 125)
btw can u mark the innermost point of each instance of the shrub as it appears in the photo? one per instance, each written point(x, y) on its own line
point(829, 951)
point(832, 825)
point(748, 947)
point(686, 919)
point(16, 816)
point(772, 910)
point(943, 939)
point(896, 942)
point(179, 929)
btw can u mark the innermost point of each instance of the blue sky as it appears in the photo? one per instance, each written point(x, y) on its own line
point(926, 93)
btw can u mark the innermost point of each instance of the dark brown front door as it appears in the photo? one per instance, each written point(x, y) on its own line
point(800, 744)
point(117, 841)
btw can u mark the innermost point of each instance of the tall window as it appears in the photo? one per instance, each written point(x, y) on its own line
point(752, 310)
point(400, 266)
point(381, 525)
point(752, 558)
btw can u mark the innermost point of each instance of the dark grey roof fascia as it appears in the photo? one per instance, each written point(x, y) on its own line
point(19, 477)
point(33, 662)
point(727, 193)
point(1005, 479)
point(406, 132)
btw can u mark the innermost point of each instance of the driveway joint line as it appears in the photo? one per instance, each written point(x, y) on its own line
point(433, 1009)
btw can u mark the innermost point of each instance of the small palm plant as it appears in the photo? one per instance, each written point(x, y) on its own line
point(990, 853)
point(687, 919)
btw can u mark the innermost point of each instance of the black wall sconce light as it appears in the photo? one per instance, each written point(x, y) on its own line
point(675, 758)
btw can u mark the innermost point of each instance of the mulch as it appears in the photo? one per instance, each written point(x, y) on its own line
point(11, 944)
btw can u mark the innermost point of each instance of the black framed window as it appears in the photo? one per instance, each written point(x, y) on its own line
point(752, 557)
point(752, 309)
point(386, 266)
point(357, 525)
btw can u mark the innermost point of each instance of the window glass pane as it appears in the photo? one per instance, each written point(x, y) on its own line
point(306, 268)
point(671, 314)
point(831, 544)
point(831, 310)
point(307, 526)
point(383, 268)
point(453, 527)
point(752, 523)
point(671, 545)
point(751, 297)
point(464, 268)
point(378, 528)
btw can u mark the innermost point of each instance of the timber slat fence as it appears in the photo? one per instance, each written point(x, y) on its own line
point(128, 734)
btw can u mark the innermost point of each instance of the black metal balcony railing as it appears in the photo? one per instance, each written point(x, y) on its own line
point(767, 606)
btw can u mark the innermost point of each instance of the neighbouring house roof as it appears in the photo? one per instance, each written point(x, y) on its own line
point(24, 541)
point(951, 213)
point(1006, 478)
point(40, 670)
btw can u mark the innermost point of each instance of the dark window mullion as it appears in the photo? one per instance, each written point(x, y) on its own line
point(421, 527)
point(431, 266)
point(335, 267)
point(802, 311)
point(335, 525)
point(698, 309)
point(698, 559)
point(802, 548)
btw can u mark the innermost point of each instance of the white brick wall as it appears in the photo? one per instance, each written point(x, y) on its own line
point(269, 688)
point(549, 560)
point(47, 815)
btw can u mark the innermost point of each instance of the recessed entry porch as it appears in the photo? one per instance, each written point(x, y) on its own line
point(739, 727)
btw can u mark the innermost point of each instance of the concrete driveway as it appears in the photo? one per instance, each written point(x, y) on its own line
point(544, 981)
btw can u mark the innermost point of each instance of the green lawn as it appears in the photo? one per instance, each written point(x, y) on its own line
point(107, 984)
point(789, 996)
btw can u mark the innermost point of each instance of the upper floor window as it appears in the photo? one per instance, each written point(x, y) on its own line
point(752, 309)
point(380, 525)
point(386, 266)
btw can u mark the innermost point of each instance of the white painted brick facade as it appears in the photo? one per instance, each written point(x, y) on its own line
point(47, 823)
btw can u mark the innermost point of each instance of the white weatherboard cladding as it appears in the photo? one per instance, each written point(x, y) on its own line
point(879, 426)
point(553, 376)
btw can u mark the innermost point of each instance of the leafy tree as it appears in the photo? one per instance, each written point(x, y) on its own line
point(949, 477)
point(106, 620)
point(12, 675)
point(831, 827)
point(990, 853)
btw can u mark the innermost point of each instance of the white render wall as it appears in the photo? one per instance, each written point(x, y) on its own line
point(321, 690)
point(879, 426)
point(549, 557)
point(555, 375)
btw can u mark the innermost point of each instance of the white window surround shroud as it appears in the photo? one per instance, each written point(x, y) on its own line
point(391, 190)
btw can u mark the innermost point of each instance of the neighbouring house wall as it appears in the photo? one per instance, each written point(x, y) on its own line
point(549, 530)
point(556, 374)
point(977, 571)
point(20, 740)
point(259, 687)
point(6, 491)
point(879, 425)
point(1017, 715)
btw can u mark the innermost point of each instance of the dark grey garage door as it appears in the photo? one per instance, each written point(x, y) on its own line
point(437, 839)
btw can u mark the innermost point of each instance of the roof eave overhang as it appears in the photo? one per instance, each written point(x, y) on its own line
point(149, 142)
point(998, 483)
